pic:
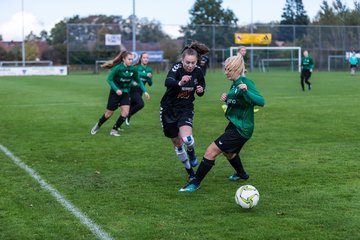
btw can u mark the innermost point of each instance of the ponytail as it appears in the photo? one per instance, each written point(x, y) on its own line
point(116, 60)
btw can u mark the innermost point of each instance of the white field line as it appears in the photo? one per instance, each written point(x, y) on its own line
point(96, 230)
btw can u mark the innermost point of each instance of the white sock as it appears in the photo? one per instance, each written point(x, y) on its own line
point(183, 156)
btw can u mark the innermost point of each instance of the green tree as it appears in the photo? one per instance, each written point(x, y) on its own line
point(3, 54)
point(58, 33)
point(150, 31)
point(210, 24)
point(353, 17)
point(293, 14)
point(338, 14)
point(85, 36)
point(57, 40)
point(44, 36)
point(326, 15)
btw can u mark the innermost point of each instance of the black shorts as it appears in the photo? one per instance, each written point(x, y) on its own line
point(230, 141)
point(115, 101)
point(305, 74)
point(353, 66)
point(173, 119)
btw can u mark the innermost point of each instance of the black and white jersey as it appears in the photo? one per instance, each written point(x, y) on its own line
point(181, 97)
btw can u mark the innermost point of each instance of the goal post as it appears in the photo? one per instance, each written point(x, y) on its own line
point(288, 58)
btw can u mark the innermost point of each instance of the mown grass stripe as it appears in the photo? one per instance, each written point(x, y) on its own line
point(95, 229)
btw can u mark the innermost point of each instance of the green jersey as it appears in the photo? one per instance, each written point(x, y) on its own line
point(307, 63)
point(143, 72)
point(122, 78)
point(240, 110)
point(353, 60)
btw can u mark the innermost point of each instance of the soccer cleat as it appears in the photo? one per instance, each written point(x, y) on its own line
point(191, 187)
point(95, 129)
point(127, 121)
point(237, 177)
point(114, 133)
point(310, 87)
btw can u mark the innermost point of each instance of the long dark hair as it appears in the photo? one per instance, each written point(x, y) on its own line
point(195, 48)
point(116, 60)
point(139, 61)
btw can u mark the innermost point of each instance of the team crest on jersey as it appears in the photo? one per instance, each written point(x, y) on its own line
point(176, 67)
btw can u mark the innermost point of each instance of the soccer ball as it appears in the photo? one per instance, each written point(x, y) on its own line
point(247, 196)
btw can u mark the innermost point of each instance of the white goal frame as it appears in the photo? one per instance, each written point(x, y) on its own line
point(235, 49)
point(330, 57)
point(97, 65)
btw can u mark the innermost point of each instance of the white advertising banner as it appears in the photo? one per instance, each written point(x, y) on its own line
point(112, 39)
point(33, 71)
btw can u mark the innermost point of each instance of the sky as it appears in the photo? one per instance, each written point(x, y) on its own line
point(41, 15)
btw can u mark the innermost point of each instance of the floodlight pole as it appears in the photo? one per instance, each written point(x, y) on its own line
point(133, 28)
point(23, 39)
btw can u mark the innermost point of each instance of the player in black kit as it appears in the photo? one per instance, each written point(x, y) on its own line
point(184, 79)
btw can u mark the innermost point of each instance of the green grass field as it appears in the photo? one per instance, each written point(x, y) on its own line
point(303, 158)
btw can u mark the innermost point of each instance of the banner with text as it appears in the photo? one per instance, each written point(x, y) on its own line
point(112, 39)
point(33, 71)
point(154, 56)
point(253, 38)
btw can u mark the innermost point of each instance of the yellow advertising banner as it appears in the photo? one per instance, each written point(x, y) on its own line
point(253, 38)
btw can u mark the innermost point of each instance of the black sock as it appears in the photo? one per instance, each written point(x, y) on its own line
point(102, 120)
point(237, 165)
point(119, 122)
point(191, 153)
point(190, 172)
point(204, 168)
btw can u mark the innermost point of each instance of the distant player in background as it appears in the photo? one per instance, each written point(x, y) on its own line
point(242, 51)
point(121, 77)
point(307, 66)
point(204, 63)
point(241, 99)
point(353, 61)
point(145, 74)
point(184, 79)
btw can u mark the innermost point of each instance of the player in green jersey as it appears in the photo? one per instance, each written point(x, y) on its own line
point(241, 99)
point(307, 66)
point(121, 77)
point(145, 74)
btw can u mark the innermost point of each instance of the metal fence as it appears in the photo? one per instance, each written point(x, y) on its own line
point(326, 44)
